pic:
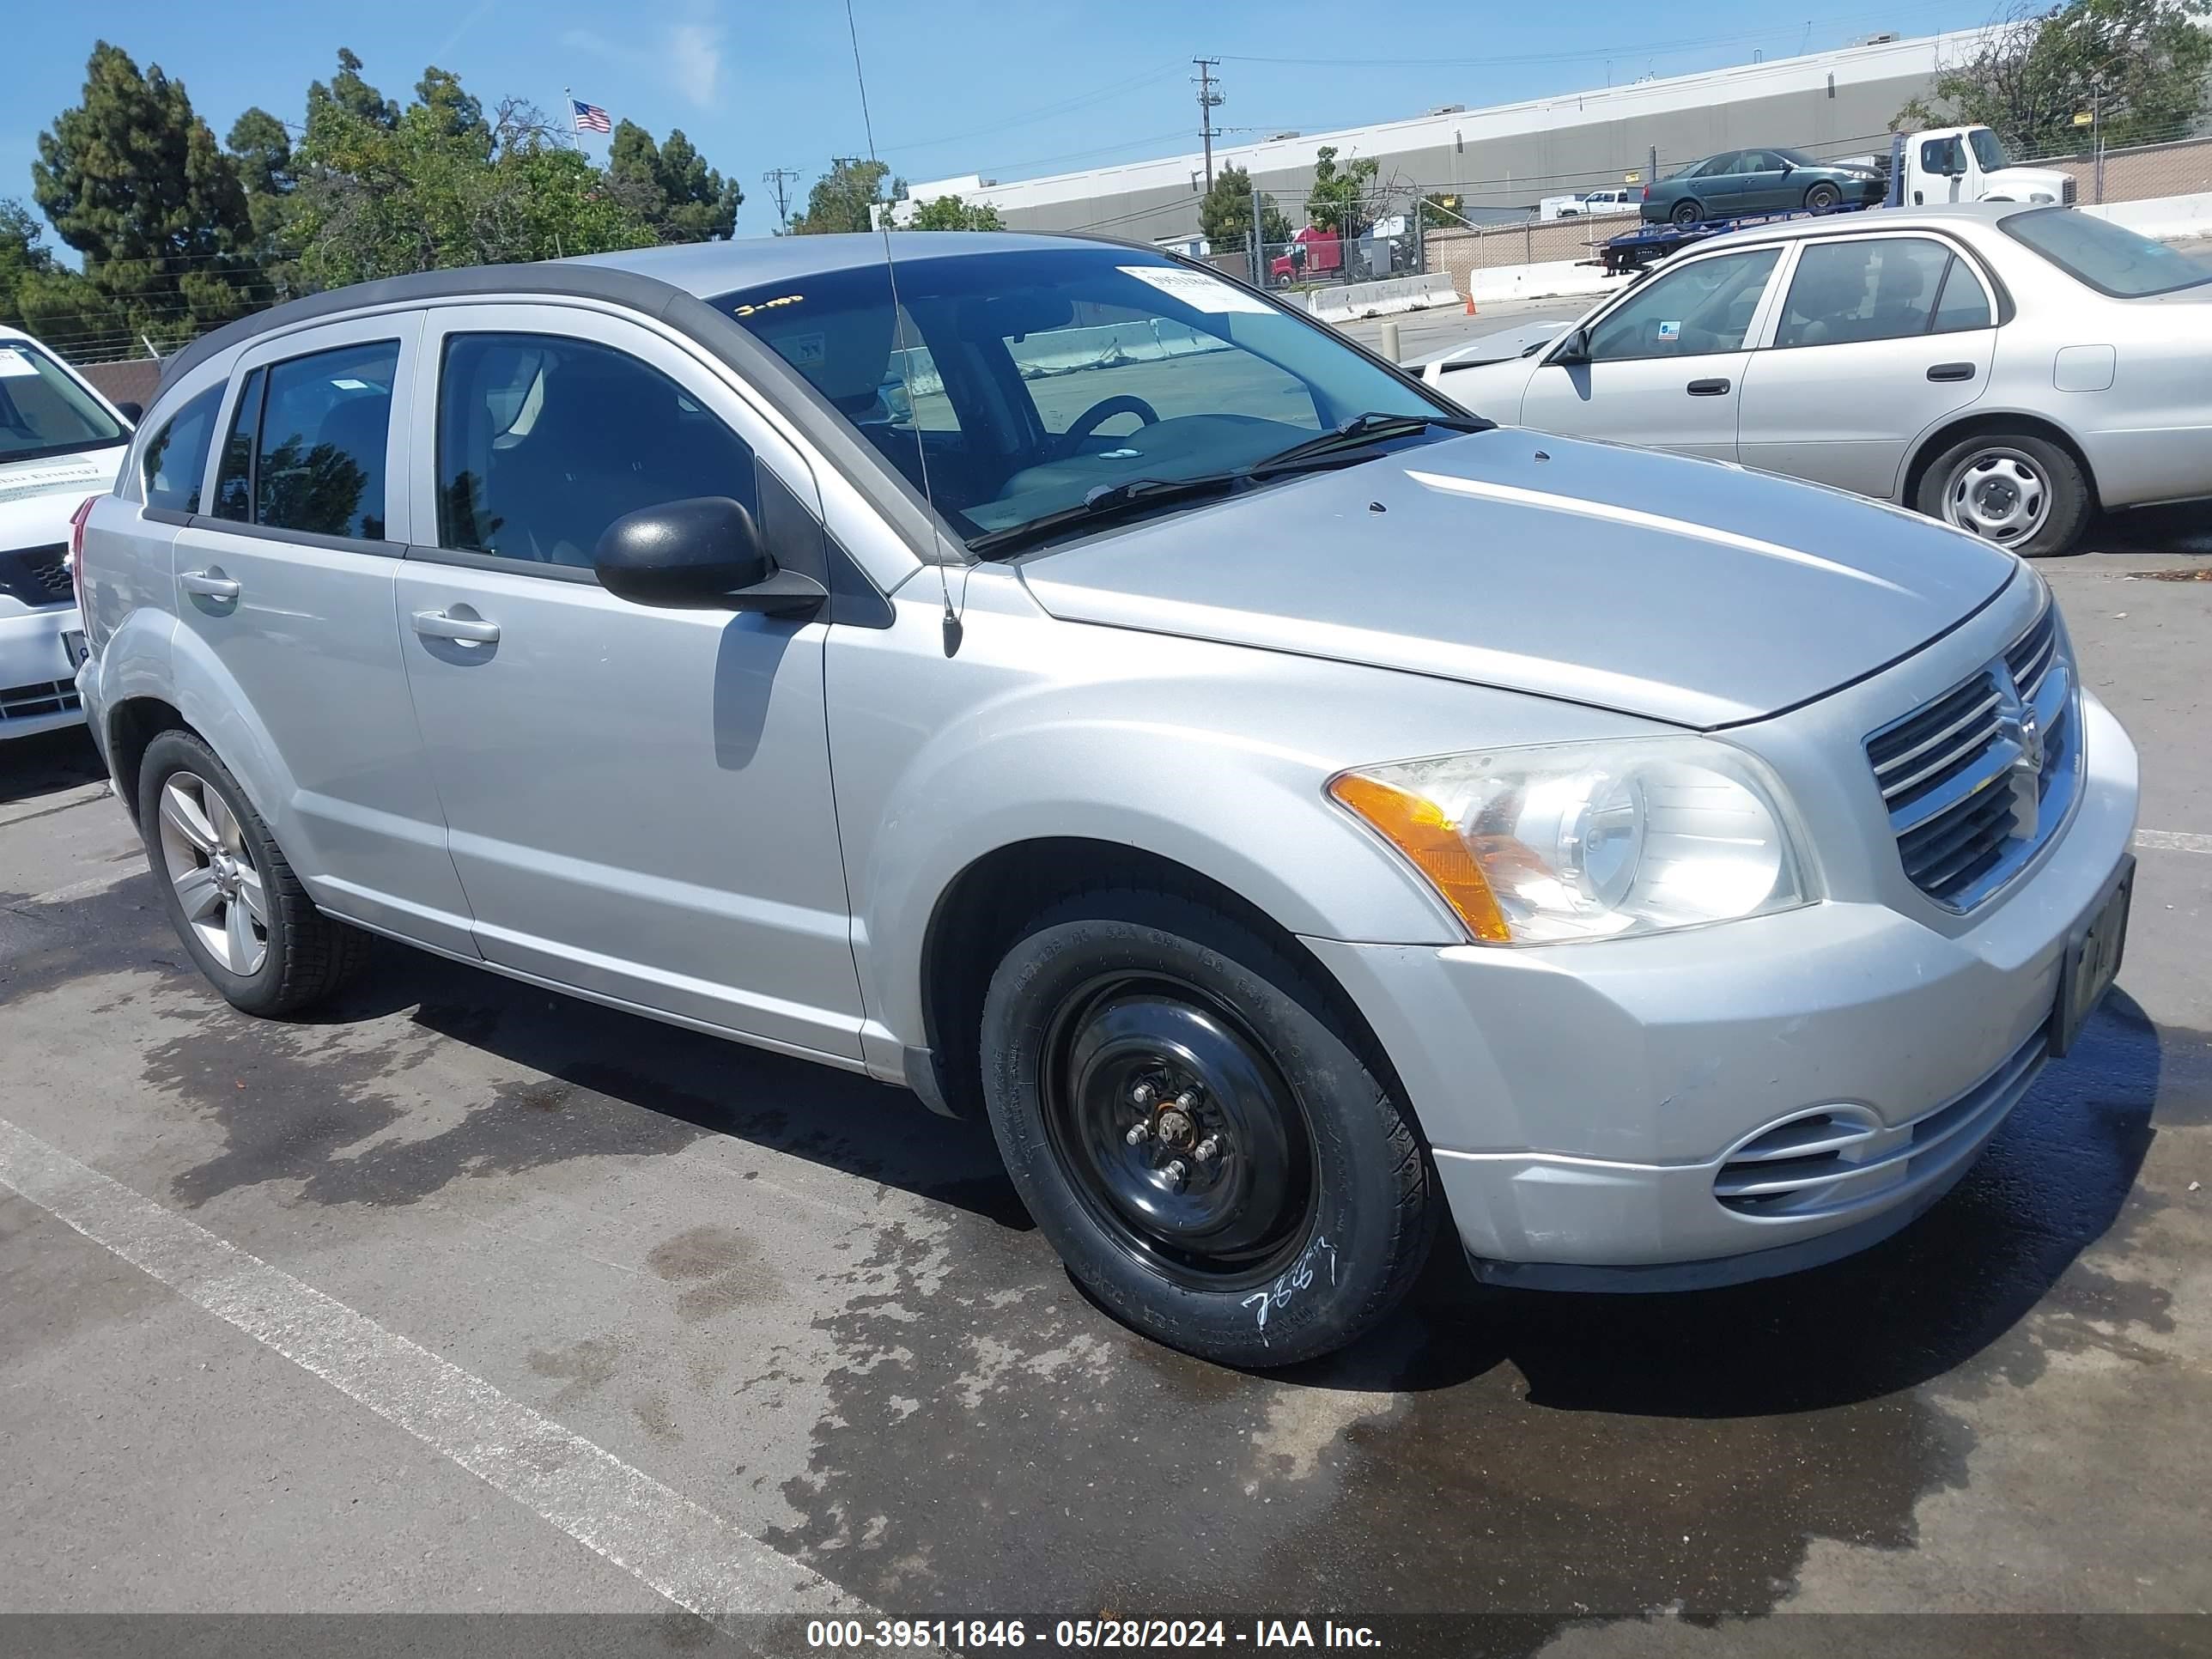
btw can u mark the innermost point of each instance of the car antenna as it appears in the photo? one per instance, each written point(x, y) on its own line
point(952, 623)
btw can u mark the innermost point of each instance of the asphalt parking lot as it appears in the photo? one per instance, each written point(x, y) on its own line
point(566, 1311)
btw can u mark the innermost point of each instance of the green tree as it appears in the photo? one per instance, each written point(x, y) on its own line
point(842, 198)
point(2145, 65)
point(685, 199)
point(1225, 213)
point(950, 213)
point(444, 185)
point(349, 92)
point(1341, 199)
point(134, 180)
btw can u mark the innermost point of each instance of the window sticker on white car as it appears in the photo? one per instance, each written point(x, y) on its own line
point(1670, 330)
point(1196, 289)
point(14, 364)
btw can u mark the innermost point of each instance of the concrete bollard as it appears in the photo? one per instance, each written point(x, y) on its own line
point(1390, 341)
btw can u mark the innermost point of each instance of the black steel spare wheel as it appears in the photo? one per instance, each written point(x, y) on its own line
point(1201, 1127)
point(1182, 1137)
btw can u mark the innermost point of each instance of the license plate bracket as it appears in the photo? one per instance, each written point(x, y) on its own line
point(2093, 951)
point(73, 647)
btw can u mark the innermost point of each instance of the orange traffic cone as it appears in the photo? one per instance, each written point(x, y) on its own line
point(1470, 305)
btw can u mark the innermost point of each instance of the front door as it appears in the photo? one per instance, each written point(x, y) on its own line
point(1665, 365)
point(1880, 338)
point(285, 583)
point(639, 798)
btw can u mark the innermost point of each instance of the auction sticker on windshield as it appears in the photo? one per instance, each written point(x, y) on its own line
point(1196, 288)
point(14, 364)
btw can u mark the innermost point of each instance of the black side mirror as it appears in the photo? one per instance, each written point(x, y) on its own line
point(1575, 349)
point(132, 412)
point(702, 553)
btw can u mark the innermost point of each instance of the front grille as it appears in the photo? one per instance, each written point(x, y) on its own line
point(2071, 189)
point(1840, 1158)
point(1968, 801)
point(37, 575)
point(21, 703)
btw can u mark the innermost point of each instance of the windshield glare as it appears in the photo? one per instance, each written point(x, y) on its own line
point(43, 412)
point(1032, 378)
point(2109, 258)
point(1988, 150)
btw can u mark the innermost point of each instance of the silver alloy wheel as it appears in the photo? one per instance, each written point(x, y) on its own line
point(2002, 494)
point(210, 865)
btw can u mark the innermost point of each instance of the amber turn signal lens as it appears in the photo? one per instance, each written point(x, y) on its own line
point(1418, 828)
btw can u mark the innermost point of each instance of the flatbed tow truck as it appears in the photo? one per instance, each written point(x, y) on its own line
point(1954, 164)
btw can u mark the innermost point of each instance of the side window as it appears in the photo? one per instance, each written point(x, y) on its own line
point(1723, 165)
point(233, 479)
point(1696, 308)
point(319, 467)
point(176, 458)
point(1941, 156)
point(1964, 305)
point(544, 441)
point(1877, 289)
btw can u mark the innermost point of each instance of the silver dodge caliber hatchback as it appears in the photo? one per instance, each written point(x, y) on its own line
point(1051, 676)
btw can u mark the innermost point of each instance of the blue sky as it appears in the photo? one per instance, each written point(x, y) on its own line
point(955, 86)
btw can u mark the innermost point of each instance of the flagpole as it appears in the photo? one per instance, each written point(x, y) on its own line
point(568, 118)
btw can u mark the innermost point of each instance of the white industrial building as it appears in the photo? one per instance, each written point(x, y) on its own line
point(1500, 161)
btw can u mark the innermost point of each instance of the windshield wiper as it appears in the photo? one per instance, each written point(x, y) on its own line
point(1105, 503)
point(1360, 430)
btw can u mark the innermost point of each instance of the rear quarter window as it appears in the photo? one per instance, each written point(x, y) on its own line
point(176, 456)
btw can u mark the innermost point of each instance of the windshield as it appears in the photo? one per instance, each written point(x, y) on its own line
point(43, 410)
point(2109, 258)
point(1988, 150)
point(1035, 379)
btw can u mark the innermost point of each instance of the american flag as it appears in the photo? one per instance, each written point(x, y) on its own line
point(590, 118)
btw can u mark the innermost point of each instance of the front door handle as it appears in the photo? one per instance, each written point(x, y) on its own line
point(1951, 371)
point(1709, 388)
point(209, 584)
point(470, 630)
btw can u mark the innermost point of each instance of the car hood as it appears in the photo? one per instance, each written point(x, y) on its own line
point(1689, 591)
point(38, 497)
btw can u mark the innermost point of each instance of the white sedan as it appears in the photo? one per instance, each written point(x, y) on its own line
point(2007, 368)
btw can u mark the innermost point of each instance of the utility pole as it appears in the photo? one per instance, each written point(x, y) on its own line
point(779, 179)
point(1209, 99)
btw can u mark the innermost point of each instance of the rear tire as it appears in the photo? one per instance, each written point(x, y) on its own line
point(2021, 491)
point(240, 911)
point(1686, 212)
point(1822, 198)
point(1310, 1215)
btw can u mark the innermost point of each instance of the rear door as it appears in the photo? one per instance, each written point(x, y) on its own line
point(639, 796)
point(1878, 339)
point(287, 580)
point(1666, 362)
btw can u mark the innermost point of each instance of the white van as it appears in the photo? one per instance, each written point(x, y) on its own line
point(60, 444)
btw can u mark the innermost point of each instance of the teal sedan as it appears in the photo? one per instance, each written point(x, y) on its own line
point(1740, 181)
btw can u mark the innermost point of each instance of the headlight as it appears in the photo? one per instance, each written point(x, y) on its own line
point(1587, 839)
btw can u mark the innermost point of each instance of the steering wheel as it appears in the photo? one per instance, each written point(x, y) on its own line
point(1100, 412)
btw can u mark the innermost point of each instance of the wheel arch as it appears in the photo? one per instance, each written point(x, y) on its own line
point(1990, 421)
point(980, 914)
point(132, 726)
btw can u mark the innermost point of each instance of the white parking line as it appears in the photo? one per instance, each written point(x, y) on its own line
point(2173, 841)
point(691, 1555)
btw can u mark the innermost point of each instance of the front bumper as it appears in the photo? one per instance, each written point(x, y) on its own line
point(1581, 1099)
point(37, 682)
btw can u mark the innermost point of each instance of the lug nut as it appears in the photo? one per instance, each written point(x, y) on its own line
point(1175, 1172)
point(1206, 1149)
point(1186, 1101)
point(1142, 1095)
point(1139, 1134)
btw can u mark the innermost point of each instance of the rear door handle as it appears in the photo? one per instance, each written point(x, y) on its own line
point(472, 630)
point(209, 584)
point(1709, 388)
point(1951, 371)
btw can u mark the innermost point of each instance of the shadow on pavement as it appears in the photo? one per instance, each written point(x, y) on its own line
point(47, 764)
